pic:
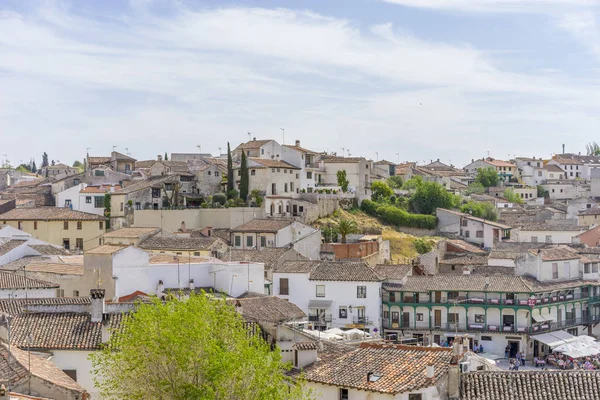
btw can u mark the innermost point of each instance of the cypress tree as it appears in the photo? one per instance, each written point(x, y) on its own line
point(244, 178)
point(229, 170)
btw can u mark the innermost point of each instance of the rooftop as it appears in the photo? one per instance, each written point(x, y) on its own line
point(351, 271)
point(295, 267)
point(55, 268)
point(153, 181)
point(266, 255)
point(49, 214)
point(392, 271)
point(400, 368)
point(556, 253)
point(268, 309)
point(106, 249)
point(18, 306)
point(341, 160)
point(252, 144)
point(100, 189)
point(268, 163)
point(465, 260)
point(263, 225)
point(131, 233)
point(14, 280)
point(178, 243)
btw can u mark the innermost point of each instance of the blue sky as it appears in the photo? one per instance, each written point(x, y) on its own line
point(410, 79)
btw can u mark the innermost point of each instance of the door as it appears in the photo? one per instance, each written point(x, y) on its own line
point(508, 320)
point(395, 319)
point(405, 320)
point(559, 315)
point(514, 348)
point(438, 297)
point(436, 339)
point(66, 244)
point(392, 297)
point(437, 318)
point(295, 210)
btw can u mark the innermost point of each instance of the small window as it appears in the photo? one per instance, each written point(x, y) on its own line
point(66, 225)
point(263, 241)
point(554, 270)
point(79, 243)
point(272, 169)
point(101, 225)
point(88, 199)
point(344, 395)
point(285, 171)
point(237, 241)
point(71, 373)
point(75, 293)
point(284, 288)
point(98, 202)
point(534, 239)
point(285, 187)
point(239, 172)
point(419, 317)
point(79, 225)
point(278, 169)
point(60, 293)
point(467, 233)
point(486, 338)
point(320, 290)
point(548, 238)
point(196, 253)
point(343, 312)
point(292, 186)
point(479, 234)
point(253, 172)
point(121, 206)
point(209, 173)
point(138, 206)
point(35, 225)
point(216, 174)
point(99, 172)
point(361, 292)
point(479, 318)
point(76, 181)
point(309, 175)
point(415, 396)
point(249, 241)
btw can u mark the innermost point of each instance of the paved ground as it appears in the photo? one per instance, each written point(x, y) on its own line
point(504, 364)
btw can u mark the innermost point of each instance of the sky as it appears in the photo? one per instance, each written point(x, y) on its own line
point(402, 80)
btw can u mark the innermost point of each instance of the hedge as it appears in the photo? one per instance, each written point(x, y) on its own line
point(396, 216)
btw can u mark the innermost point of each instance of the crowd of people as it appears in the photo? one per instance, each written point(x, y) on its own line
point(564, 362)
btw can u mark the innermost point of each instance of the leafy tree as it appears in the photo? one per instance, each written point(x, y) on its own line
point(593, 149)
point(53, 163)
point(395, 182)
point(257, 196)
point(346, 227)
point(380, 191)
point(79, 165)
point(481, 210)
point(44, 160)
point(429, 196)
point(541, 192)
point(107, 209)
point(487, 177)
point(244, 179)
point(199, 348)
point(23, 168)
point(229, 169)
point(412, 183)
point(511, 196)
point(475, 188)
point(342, 179)
point(33, 167)
point(422, 245)
point(233, 194)
point(219, 198)
point(166, 156)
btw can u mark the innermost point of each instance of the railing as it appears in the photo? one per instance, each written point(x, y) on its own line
point(482, 327)
point(495, 301)
point(319, 318)
point(361, 320)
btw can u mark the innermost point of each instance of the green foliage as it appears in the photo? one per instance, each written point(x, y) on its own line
point(423, 246)
point(233, 194)
point(511, 196)
point(166, 156)
point(395, 182)
point(229, 169)
point(329, 233)
point(244, 179)
point(23, 168)
point(481, 210)
point(107, 209)
point(412, 183)
point(380, 191)
point(487, 177)
point(541, 192)
point(342, 179)
point(199, 348)
point(219, 198)
point(429, 196)
point(475, 188)
point(79, 166)
point(33, 167)
point(592, 149)
point(44, 160)
point(398, 217)
point(346, 227)
point(257, 196)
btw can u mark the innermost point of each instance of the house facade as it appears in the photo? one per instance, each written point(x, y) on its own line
point(472, 229)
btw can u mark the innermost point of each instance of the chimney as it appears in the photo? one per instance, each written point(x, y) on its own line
point(369, 376)
point(160, 287)
point(159, 157)
point(254, 139)
point(209, 231)
point(563, 148)
point(430, 371)
point(438, 160)
point(105, 328)
point(183, 228)
point(297, 143)
point(112, 188)
point(4, 393)
point(191, 284)
point(466, 271)
point(97, 311)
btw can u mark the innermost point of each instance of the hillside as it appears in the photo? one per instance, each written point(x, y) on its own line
point(401, 244)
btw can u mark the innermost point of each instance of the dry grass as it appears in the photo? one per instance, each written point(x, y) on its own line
point(401, 244)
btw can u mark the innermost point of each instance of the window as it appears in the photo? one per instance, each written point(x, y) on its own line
point(209, 173)
point(297, 176)
point(66, 225)
point(79, 243)
point(453, 317)
point(79, 225)
point(344, 394)
point(284, 288)
point(239, 172)
point(548, 238)
point(343, 312)
point(467, 233)
point(486, 338)
point(68, 203)
point(539, 173)
point(237, 241)
point(253, 172)
point(415, 396)
point(263, 241)
point(88, 199)
point(249, 241)
point(554, 270)
point(292, 186)
point(452, 295)
point(567, 269)
point(479, 318)
point(98, 202)
point(594, 268)
point(361, 292)
point(419, 317)
point(121, 206)
point(60, 293)
point(278, 170)
point(196, 253)
point(272, 169)
point(479, 234)
point(75, 293)
point(586, 268)
point(216, 174)
point(534, 239)
point(285, 187)
point(101, 225)
point(71, 373)
point(285, 171)
point(99, 172)
point(155, 193)
point(35, 225)
point(309, 175)
point(320, 290)
point(138, 205)
point(76, 181)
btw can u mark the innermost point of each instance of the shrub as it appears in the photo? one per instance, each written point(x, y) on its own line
point(219, 198)
point(396, 216)
point(233, 194)
point(423, 246)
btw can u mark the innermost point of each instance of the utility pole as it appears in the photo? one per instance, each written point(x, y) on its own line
point(398, 155)
point(376, 156)
point(283, 138)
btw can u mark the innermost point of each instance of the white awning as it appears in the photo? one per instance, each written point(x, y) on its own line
point(538, 318)
point(319, 303)
point(554, 339)
point(547, 316)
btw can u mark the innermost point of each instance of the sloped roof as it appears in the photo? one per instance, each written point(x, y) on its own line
point(296, 267)
point(392, 271)
point(268, 163)
point(49, 250)
point(130, 233)
point(98, 160)
point(55, 268)
point(590, 211)
point(268, 309)
point(400, 368)
point(10, 245)
point(341, 160)
point(263, 225)
point(153, 181)
point(353, 271)
point(266, 255)
point(472, 282)
point(50, 214)
point(18, 306)
point(177, 243)
point(106, 249)
point(252, 144)
point(556, 253)
point(15, 280)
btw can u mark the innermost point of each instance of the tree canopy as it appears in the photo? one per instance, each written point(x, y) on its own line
point(592, 149)
point(395, 182)
point(380, 191)
point(199, 348)
point(346, 227)
point(511, 196)
point(475, 188)
point(229, 169)
point(429, 196)
point(481, 210)
point(244, 178)
point(487, 177)
point(342, 179)
point(412, 183)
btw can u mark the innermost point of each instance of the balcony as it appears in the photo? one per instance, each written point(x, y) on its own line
point(461, 300)
point(322, 319)
point(361, 320)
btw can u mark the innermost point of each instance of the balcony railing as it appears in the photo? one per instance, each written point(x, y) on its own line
point(482, 327)
point(361, 320)
point(319, 318)
point(495, 301)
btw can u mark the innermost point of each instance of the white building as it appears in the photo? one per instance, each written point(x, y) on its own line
point(546, 233)
point(333, 294)
point(86, 198)
point(16, 285)
point(472, 229)
point(358, 173)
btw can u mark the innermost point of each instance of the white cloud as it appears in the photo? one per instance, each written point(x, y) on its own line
point(494, 6)
point(154, 83)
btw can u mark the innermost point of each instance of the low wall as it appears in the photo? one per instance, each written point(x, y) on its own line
point(219, 218)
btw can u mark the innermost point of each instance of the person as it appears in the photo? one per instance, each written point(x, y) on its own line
point(481, 348)
point(518, 358)
point(507, 351)
point(523, 358)
point(535, 361)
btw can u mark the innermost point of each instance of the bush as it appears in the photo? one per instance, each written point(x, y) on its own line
point(219, 198)
point(233, 194)
point(396, 216)
point(395, 182)
point(380, 191)
point(481, 210)
point(423, 246)
point(240, 203)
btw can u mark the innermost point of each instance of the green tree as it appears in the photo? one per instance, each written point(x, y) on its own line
point(229, 169)
point(475, 188)
point(33, 167)
point(395, 182)
point(541, 192)
point(257, 196)
point(593, 149)
point(107, 198)
point(233, 194)
point(511, 196)
point(429, 196)
point(380, 191)
point(342, 180)
point(166, 156)
point(346, 227)
point(44, 160)
point(487, 177)
point(199, 348)
point(79, 165)
point(244, 178)
point(412, 183)
point(481, 210)
point(23, 168)
point(219, 198)
point(422, 245)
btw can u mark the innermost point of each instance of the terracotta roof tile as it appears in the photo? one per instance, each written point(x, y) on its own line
point(296, 267)
point(341, 160)
point(473, 282)
point(353, 271)
point(18, 306)
point(10, 245)
point(268, 309)
point(252, 144)
point(49, 249)
point(49, 213)
point(106, 249)
point(269, 256)
point(465, 260)
point(392, 271)
point(131, 233)
point(556, 253)
point(153, 181)
point(100, 189)
point(178, 243)
point(55, 268)
point(263, 225)
point(16, 280)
